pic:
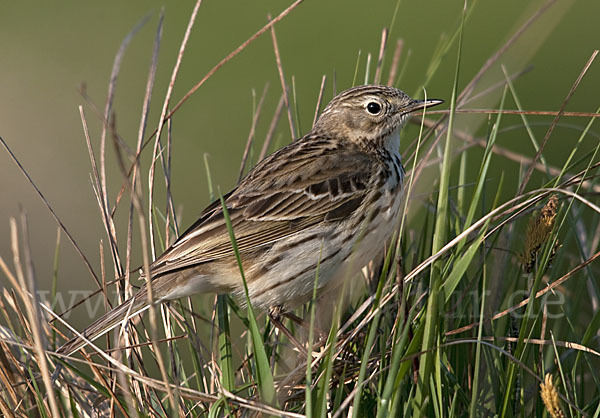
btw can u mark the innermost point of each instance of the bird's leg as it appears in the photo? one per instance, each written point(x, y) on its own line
point(321, 335)
point(275, 313)
point(294, 318)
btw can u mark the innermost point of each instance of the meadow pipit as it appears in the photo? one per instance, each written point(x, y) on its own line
point(328, 198)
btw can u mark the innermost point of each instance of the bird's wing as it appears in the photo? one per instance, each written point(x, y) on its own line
point(299, 186)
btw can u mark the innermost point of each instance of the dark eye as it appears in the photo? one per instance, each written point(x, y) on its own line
point(373, 108)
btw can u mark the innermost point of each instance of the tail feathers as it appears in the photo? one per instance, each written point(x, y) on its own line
point(113, 318)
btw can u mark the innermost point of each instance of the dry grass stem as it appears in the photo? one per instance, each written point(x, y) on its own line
point(520, 112)
point(319, 99)
point(395, 61)
point(380, 59)
point(284, 87)
point(272, 128)
point(250, 139)
point(161, 121)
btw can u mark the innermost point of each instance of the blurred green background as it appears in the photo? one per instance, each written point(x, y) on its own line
point(49, 48)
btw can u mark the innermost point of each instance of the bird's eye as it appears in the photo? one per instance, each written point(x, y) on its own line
point(373, 108)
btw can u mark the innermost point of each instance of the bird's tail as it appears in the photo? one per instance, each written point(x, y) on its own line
point(110, 320)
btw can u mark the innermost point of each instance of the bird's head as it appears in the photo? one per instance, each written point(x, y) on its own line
point(369, 114)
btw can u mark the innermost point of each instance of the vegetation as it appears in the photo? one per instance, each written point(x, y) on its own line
point(481, 306)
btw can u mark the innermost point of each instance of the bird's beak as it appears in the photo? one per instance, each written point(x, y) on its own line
point(421, 104)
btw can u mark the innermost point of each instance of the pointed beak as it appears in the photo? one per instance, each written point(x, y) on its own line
point(421, 104)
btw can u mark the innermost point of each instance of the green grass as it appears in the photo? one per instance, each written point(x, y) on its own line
point(465, 316)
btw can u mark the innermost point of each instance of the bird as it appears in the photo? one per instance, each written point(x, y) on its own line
point(328, 199)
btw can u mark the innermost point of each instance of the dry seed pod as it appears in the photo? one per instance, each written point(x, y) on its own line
point(538, 232)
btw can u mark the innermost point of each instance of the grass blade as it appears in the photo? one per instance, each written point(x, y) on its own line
point(430, 332)
point(265, 382)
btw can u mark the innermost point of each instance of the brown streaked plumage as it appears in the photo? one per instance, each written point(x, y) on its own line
point(328, 198)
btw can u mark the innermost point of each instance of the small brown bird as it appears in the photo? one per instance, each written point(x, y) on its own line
point(329, 198)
